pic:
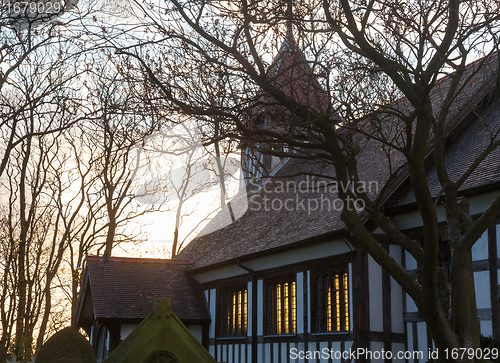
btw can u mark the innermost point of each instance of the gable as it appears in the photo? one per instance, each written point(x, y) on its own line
point(126, 288)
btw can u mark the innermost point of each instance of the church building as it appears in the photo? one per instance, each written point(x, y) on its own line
point(284, 276)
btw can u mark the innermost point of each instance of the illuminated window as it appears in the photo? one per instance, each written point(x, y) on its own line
point(282, 307)
point(233, 312)
point(332, 300)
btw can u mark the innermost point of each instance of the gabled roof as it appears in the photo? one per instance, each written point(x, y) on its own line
point(126, 288)
point(261, 231)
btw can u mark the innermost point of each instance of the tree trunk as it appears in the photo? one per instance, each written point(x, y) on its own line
point(463, 314)
point(110, 236)
point(46, 313)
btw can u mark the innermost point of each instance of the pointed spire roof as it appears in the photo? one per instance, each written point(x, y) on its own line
point(293, 74)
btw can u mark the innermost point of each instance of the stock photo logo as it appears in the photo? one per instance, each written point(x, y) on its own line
point(172, 167)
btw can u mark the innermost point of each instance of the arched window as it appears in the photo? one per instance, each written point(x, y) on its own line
point(332, 300)
point(282, 306)
point(233, 314)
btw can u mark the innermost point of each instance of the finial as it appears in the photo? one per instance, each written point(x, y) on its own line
point(163, 308)
point(289, 17)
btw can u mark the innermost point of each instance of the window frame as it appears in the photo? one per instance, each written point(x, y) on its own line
point(328, 316)
point(280, 305)
point(226, 298)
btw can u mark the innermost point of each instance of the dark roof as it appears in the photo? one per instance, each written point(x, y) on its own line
point(460, 154)
point(259, 231)
point(126, 288)
point(293, 75)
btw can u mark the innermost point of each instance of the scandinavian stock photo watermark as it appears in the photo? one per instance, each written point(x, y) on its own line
point(174, 164)
point(311, 195)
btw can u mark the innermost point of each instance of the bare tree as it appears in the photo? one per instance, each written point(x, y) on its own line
point(368, 71)
point(117, 126)
point(32, 41)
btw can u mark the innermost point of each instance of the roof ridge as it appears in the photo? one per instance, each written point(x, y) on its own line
point(118, 259)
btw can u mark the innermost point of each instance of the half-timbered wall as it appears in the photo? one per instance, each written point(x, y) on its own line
point(374, 294)
point(485, 255)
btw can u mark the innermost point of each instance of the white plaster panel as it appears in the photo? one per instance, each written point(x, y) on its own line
point(284, 353)
point(276, 347)
point(323, 345)
point(397, 315)
point(395, 252)
point(414, 219)
point(480, 248)
point(311, 347)
point(297, 255)
point(219, 352)
point(230, 348)
point(260, 307)
point(236, 354)
point(267, 353)
point(293, 345)
point(300, 302)
point(410, 305)
point(309, 313)
point(479, 203)
point(212, 306)
point(336, 348)
point(375, 295)
point(220, 273)
point(498, 239)
point(126, 329)
point(409, 339)
point(397, 347)
point(376, 347)
point(249, 352)
point(397, 319)
point(300, 348)
point(197, 331)
point(422, 340)
point(211, 350)
point(351, 301)
point(411, 263)
point(482, 287)
point(486, 328)
point(260, 352)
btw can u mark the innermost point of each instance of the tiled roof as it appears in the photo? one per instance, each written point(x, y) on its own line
point(259, 231)
point(126, 288)
point(292, 74)
point(460, 154)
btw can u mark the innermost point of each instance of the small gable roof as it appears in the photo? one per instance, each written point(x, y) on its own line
point(160, 337)
point(126, 288)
